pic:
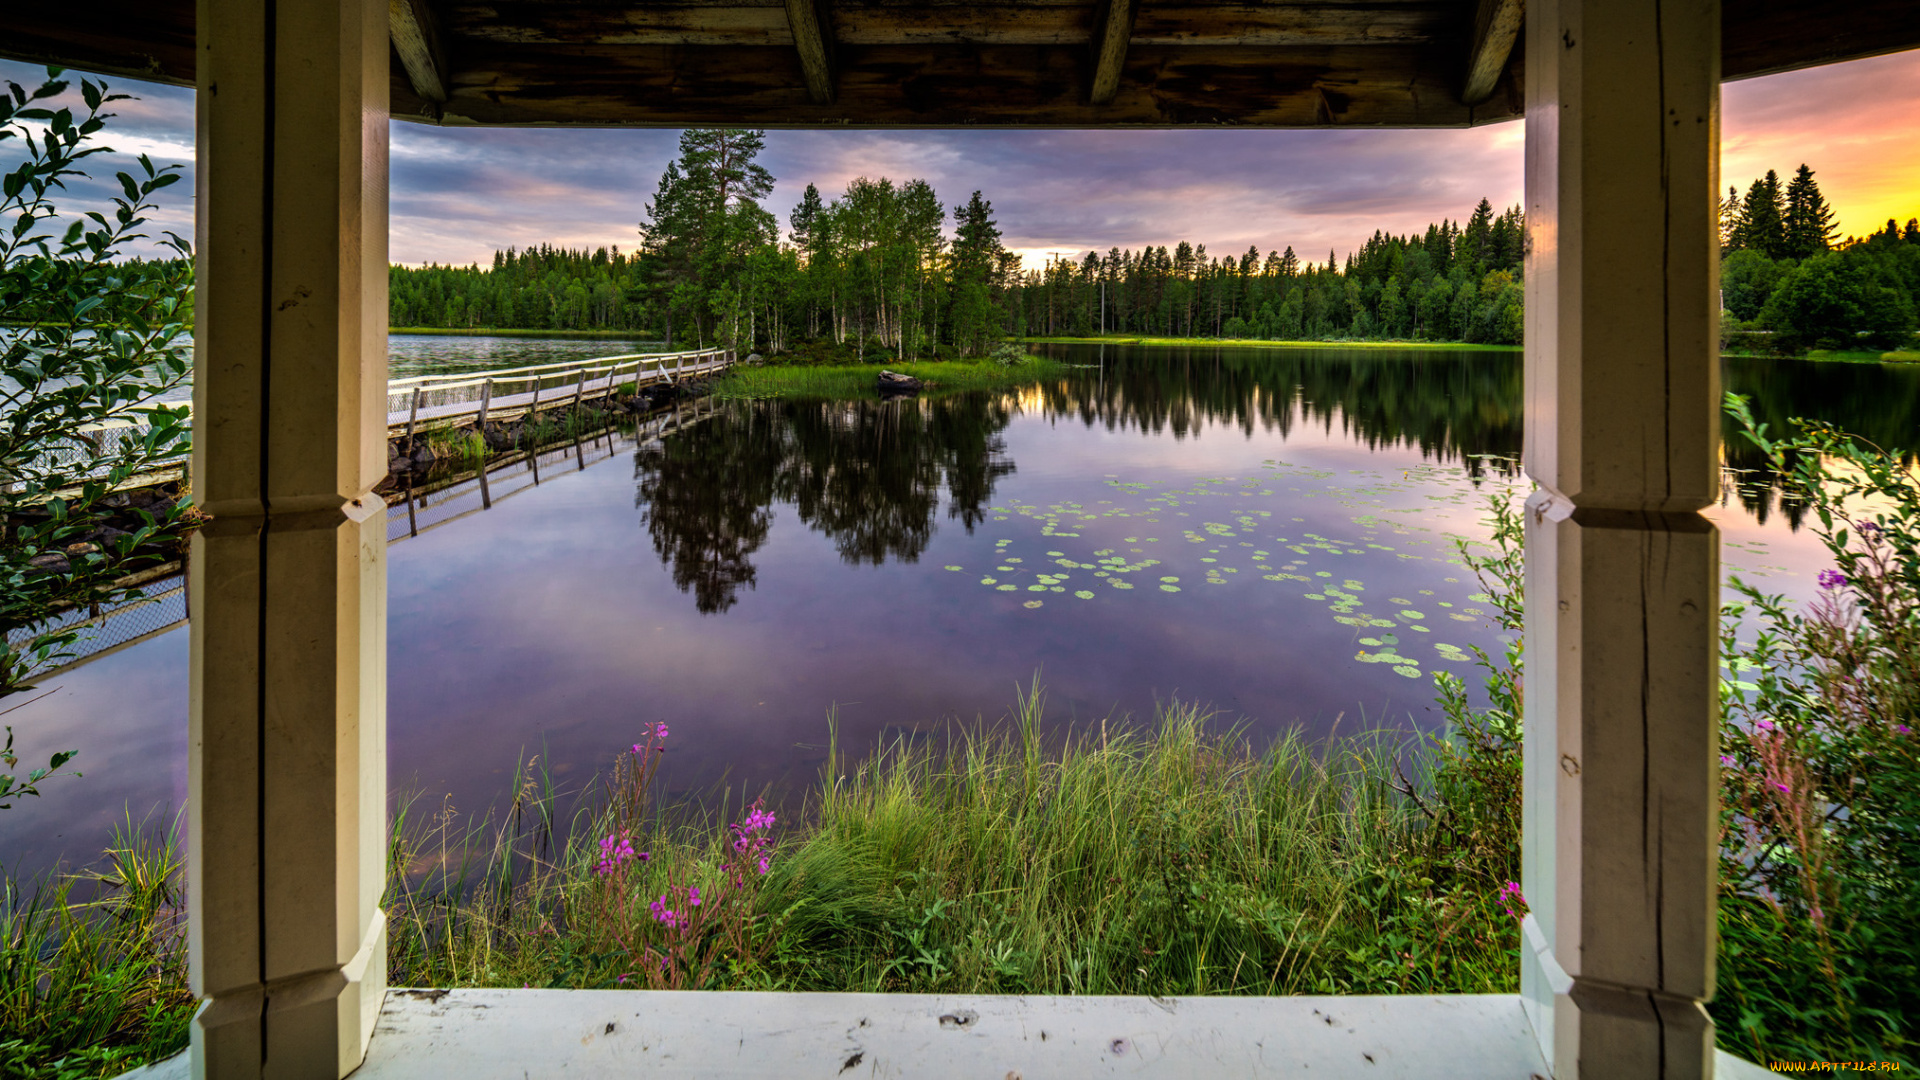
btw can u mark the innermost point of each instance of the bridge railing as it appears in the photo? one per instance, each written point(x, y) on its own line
point(442, 400)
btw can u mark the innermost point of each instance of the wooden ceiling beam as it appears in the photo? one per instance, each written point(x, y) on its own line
point(812, 33)
point(558, 23)
point(1496, 26)
point(934, 63)
point(915, 86)
point(415, 33)
point(1112, 33)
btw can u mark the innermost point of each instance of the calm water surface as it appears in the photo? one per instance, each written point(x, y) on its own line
point(1269, 532)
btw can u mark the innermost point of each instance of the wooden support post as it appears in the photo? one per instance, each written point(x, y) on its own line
point(579, 386)
point(813, 39)
point(1112, 31)
point(412, 416)
point(1622, 376)
point(417, 42)
point(1496, 26)
point(533, 410)
point(287, 693)
point(486, 398)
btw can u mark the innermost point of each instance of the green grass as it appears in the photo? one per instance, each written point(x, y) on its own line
point(502, 331)
point(94, 988)
point(1847, 356)
point(853, 381)
point(1166, 860)
point(1135, 339)
point(1901, 356)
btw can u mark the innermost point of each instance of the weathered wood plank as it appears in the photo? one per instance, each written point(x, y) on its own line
point(113, 37)
point(813, 41)
point(1112, 33)
point(904, 86)
point(155, 40)
point(415, 33)
point(1496, 26)
point(987, 24)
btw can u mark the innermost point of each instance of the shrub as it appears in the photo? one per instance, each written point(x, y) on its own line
point(1820, 894)
point(98, 342)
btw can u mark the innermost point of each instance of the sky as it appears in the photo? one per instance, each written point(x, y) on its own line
point(460, 194)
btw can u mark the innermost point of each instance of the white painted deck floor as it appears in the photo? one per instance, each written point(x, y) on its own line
point(516, 1034)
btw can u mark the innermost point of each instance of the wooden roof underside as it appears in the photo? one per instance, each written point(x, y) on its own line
point(936, 63)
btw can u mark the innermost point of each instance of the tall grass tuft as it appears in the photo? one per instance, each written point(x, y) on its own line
point(1165, 859)
point(91, 987)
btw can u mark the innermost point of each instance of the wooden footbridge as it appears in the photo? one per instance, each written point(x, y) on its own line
point(420, 403)
point(427, 402)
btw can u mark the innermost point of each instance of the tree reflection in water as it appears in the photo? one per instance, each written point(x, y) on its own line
point(871, 474)
point(868, 474)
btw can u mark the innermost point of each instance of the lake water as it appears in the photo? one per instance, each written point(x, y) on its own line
point(1270, 532)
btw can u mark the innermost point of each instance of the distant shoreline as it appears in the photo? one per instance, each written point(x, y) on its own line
point(1264, 344)
point(481, 331)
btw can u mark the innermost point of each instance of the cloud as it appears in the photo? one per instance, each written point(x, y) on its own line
point(1852, 123)
point(459, 194)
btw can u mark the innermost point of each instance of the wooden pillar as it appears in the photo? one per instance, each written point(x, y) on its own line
point(1622, 374)
point(287, 758)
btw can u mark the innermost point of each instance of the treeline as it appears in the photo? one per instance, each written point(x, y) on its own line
point(51, 279)
point(877, 272)
point(1782, 276)
point(542, 288)
point(1451, 283)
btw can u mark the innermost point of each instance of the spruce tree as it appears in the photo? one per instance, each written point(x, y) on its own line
point(976, 264)
point(1809, 221)
point(1763, 226)
point(1730, 221)
point(1477, 241)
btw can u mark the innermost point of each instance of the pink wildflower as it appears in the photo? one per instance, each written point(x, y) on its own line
point(1510, 898)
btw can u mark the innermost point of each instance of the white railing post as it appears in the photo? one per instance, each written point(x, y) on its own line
point(1620, 803)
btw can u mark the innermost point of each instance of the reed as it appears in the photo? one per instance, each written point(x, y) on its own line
point(1170, 858)
point(93, 972)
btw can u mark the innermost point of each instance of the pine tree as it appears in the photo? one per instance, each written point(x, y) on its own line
point(1763, 226)
point(1477, 240)
point(1730, 220)
point(976, 265)
point(704, 223)
point(1809, 221)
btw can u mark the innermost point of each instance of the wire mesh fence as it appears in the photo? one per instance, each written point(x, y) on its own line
point(159, 604)
point(412, 511)
point(155, 607)
point(83, 453)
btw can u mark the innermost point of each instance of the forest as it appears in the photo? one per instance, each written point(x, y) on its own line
point(888, 269)
point(1785, 287)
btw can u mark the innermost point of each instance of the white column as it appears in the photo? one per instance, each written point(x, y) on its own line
point(287, 784)
point(1622, 377)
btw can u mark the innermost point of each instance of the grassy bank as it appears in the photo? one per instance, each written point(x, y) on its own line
point(1260, 343)
point(94, 987)
point(1165, 860)
point(1832, 356)
point(465, 331)
point(852, 381)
